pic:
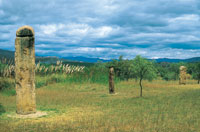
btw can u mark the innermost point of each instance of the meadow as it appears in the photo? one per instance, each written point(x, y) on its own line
point(77, 99)
point(88, 107)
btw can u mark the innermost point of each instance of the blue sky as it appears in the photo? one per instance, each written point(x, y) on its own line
point(105, 28)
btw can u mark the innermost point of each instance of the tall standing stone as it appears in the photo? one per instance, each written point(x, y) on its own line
point(25, 70)
point(183, 75)
point(111, 80)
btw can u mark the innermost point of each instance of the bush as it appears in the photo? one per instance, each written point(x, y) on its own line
point(6, 84)
point(2, 110)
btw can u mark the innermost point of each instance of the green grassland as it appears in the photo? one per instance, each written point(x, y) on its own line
point(87, 107)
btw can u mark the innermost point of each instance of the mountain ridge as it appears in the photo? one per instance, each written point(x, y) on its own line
point(49, 59)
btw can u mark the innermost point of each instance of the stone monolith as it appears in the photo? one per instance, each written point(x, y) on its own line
point(111, 80)
point(183, 75)
point(25, 70)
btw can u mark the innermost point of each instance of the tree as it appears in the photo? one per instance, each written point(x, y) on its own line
point(195, 69)
point(122, 68)
point(169, 71)
point(175, 68)
point(143, 69)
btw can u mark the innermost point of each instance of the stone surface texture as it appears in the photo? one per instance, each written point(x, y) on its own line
point(111, 80)
point(25, 70)
point(25, 31)
point(183, 75)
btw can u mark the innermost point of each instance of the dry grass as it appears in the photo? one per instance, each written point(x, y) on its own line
point(8, 69)
point(165, 107)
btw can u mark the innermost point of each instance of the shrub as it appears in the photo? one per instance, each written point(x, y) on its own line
point(6, 84)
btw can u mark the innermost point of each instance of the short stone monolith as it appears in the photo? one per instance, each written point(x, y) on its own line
point(25, 70)
point(111, 80)
point(183, 75)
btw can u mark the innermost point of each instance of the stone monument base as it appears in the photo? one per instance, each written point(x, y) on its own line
point(35, 115)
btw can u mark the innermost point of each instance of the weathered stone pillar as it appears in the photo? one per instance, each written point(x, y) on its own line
point(182, 75)
point(111, 80)
point(25, 70)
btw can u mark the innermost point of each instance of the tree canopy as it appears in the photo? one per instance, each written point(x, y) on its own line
point(143, 69)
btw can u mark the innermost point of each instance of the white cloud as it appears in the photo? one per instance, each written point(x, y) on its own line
point(110, 44)
point(51, 28)
point(185, 18)
point(73, 32)
point(44, 51)
point(84, 29)
point(103, 31)
point(84, 50)
point(55, 46)
point(153, 35)
point(88, 49)
point(105, 7)
point(77, 29)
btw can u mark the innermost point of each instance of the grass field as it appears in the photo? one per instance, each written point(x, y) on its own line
point(87, 107)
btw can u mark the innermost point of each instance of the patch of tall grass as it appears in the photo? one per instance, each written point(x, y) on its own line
point(7, 86)
point(89, 75)
point(93, 74)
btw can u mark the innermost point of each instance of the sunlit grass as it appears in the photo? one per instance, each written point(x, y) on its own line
point(165, 107)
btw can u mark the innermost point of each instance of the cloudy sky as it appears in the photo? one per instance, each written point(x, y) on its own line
point(105, 28)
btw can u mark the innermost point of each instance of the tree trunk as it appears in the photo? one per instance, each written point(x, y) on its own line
point(140, 87)
point(198, 81)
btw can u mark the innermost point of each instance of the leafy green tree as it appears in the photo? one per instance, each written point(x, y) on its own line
point(122, 68)
point(194, 69)
point(143, 69)
point(175, 67)
point(162, 69)
point(169, 71)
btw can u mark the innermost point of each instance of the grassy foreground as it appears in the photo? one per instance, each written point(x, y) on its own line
point(165, 107)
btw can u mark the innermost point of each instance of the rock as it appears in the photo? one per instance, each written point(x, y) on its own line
point(25, 70)
point(25, 31)
point(111, 80)
point(183, 75)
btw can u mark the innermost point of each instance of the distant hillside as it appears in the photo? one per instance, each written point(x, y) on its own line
point(7, 54)
point(10, 55)
point(195, 59)
point(47, 60)
point(84, 60)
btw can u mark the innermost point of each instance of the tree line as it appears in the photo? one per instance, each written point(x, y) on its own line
point(141, 69)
